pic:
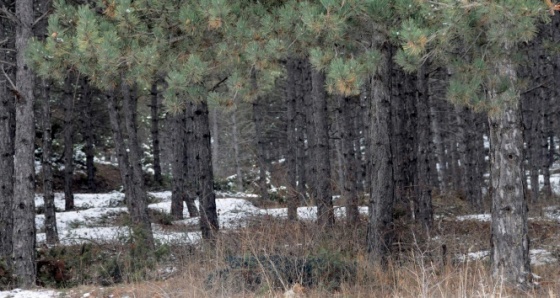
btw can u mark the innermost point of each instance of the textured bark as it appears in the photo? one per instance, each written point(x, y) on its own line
point(380, 231)
point(138, 204)
point(69, 97)
point(423, 203)
point(23, 207)
point(305, 133)
point(190, 162)
point(7, 128)
point(215, 140)
point(437, 115)
point(474, 143)
point(291, 150)
point(509, 241)
point(48, 194)
point(208, 214)
point(321, 154)
point(349, 187)
point(178, 166)
point(154, 110)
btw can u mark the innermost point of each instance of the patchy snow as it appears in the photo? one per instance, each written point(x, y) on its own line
point(475, 217)
point(538, 256)
point(19, 293)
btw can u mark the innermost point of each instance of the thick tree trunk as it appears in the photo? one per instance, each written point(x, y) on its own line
point(178, 136)
point(423, 204)
point(69, 97)
point(190, 162)
point(154, 109)
point(208, 214)
point(380, 231)
point(139, 203)
point(321, 154)
point(509, 238)
point(23, 207)
point(7, 128)
point(48, 195)
point(349, 187)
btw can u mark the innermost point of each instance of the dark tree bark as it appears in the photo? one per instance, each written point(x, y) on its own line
point(474, 143)
point(380, 231)
point(304, 113)
point(69, 97)
point(190, 162)
point(321, 154)
point(154, 109)
point(129, 161)
point(24, 254)
point(203, 155)
point(423, 204)
point(7, 129)
point(349, 187)
point(48, 194)
point(293, 74)
point(509, 238)
point(178, 166)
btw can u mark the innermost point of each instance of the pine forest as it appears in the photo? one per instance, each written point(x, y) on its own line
point(287, 148)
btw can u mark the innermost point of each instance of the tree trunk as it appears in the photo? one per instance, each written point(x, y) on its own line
point(423, 208)
point(304, 113)
point(69, 97)
point(215, 140)
point(48, 195)
point(7, 128)
point(349, 187)
point(380, 230)
point(154, 109)
point(23, 207)
point(509, 238)
point(321, 154)
point(177, 166)
point(139, 203)
point(208, 214)
point(190, 162)
point(293, 75)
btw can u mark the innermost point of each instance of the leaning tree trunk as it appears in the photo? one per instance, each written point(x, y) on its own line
point(7, 125)
point(509, 238)
point(48, 195)
point(154, 109)
point(321, 154)
point(23, 208)
point(380, 232)
point(203, 154)
point(68, 142)
point(177, 166)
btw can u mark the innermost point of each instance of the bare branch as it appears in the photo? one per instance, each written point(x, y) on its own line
point(46, 14)
point(8, 78)
point(9, 15)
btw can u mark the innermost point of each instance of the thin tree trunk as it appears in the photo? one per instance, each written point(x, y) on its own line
point(178, 166)
point(69, 143)
point(89, 138)
point(509, 238)
point(321, 154)
point(23, 208)
point(154, 109)
point(258, 113)
point(208, 214)
point(48, 195)
point(380, 230)
point(190, 162)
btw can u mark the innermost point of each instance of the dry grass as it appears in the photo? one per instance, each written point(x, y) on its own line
point(417, 268)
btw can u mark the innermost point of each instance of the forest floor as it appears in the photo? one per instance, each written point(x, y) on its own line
point(94, 257)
